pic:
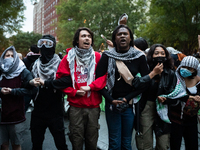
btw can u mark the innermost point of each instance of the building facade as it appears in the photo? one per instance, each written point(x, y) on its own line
point(45, 17)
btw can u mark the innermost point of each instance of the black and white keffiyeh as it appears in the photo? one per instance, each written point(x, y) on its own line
point(48, 70)
point(131, 54)
point(85, 58)
point(14, 69)
point(188, 61)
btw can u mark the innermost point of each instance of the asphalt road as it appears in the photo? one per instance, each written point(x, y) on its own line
point(48, 142)
point(102, 141)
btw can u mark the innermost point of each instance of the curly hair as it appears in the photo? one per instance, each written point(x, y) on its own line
point(168, 64)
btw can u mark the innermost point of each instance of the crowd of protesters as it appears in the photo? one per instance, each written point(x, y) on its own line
point(154, 90)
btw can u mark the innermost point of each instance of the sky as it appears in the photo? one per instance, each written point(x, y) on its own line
point(28, 22)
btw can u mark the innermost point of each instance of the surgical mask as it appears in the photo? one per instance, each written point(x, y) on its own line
point(7, 63)
point(185, 72)
point(159, 59)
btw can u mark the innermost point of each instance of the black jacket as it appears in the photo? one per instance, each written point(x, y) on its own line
point(29, 60)
point(166, 85)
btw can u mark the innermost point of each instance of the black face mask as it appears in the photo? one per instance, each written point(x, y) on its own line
point(46, 54)
point(159, 59)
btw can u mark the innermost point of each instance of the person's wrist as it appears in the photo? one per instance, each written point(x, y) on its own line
point(124, 99)
point(152, 74)
point(191, 97)
point(31, 82)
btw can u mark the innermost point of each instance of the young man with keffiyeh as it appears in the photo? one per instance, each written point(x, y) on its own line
point(48, 105)
point(14, 85)
point(80, 64)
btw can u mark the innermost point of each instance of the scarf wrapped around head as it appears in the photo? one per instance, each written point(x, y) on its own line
point(14, 69)
point(179, 91)
point(188, 61)
point(85, 58)
point(131, 54)
point(47, 70)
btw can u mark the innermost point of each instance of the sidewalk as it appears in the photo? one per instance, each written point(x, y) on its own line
point(103, 135)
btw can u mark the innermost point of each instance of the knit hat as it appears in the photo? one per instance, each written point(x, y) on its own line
point(50, 37)
point(34, 49)
point(190, 61)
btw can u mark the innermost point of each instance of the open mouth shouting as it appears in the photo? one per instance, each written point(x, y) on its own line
point(123, 41)
point(86, 43)
point(85, 40)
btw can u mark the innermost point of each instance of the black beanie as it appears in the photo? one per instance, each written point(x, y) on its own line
point(34, 49)
point(50, 37)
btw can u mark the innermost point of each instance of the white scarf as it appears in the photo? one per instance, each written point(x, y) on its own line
point(85, 58)
point(48, 70)
point(15, 69)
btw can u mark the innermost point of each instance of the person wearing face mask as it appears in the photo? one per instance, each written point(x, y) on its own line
point(48, 105)
point(29, 60)
point(15, 82)
point(183, 114)
point(163, 83)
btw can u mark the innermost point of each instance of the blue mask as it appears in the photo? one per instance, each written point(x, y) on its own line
point(185, 72)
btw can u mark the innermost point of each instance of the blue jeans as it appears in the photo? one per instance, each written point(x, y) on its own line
point(120, 128)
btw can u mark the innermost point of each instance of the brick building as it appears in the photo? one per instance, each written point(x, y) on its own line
point(45, 17)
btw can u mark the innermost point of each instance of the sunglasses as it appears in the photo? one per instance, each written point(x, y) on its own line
point(47, 43)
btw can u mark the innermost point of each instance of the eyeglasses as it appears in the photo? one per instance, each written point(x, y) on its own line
point(47, 43)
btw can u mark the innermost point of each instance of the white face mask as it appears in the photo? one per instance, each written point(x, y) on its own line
point(7, 63)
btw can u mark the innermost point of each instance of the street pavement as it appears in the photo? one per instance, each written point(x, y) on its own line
point(103, 136)
point(49, 142)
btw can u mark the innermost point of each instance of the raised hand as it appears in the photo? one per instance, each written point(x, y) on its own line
point(158, 69)
point(110, 43)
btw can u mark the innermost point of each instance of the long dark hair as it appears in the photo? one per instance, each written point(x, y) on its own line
point(76, 36)
point(168, 64)
point(116, 31)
